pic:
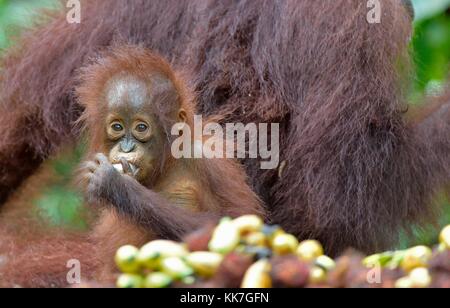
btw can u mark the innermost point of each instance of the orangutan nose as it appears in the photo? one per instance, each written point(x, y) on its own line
point(127, 146)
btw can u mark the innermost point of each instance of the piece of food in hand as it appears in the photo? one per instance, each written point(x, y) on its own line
point(130, 281)
point(119, 168)
point(310, 250)
point(258, 276)
point(126, 167)
point(226, 237)
point(205, 264)
point(126, 259)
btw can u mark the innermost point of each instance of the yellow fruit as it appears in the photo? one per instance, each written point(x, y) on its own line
point(151, 254)
point(284, 244)
point(416, 257)
point(325, 263)
point(225, 239)
point(397, 260)
point(257, 239)
point(176, 268)
point(445, 237)
point(258, 276)
point(420, 278)
point(204, 263)
point(157, 281)
point(404, 283)
point(248, 223)
point(310, 250)
point(317, 275)
point(381, 259)
point(126, 259)
point(129, 281)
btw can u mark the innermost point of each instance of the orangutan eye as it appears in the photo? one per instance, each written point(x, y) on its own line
point(117, 127)
point(141, 128)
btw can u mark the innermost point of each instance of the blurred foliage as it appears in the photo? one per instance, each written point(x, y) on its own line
point(59, 204)
point(430, 45)
point(429, 8)
point(431, 54)
point(14, 13)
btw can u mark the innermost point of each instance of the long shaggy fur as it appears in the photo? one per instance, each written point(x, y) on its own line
point(45, 263)
point(356, 171)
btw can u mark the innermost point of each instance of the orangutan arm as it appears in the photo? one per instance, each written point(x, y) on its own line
point(143, 206)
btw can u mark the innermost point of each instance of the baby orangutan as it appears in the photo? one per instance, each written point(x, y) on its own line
point(132, 100)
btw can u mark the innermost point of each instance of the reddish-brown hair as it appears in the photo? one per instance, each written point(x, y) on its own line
point(357, 171)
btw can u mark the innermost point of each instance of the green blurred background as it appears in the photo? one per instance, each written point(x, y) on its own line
point(430, 46)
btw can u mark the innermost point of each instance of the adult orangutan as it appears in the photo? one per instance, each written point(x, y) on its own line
point(355, 170)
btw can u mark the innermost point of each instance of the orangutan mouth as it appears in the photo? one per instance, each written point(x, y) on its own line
point(126, 168)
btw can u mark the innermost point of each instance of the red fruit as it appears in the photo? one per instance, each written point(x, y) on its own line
point(199, 240)
point(232, 270)
point(289, 272)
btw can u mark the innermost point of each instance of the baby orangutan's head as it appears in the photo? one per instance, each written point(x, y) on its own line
point(131, 104)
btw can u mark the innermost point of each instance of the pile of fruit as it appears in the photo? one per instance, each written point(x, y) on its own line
point(246, 253)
